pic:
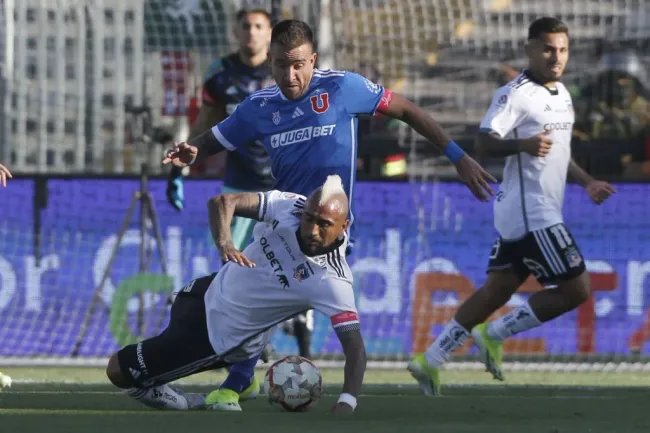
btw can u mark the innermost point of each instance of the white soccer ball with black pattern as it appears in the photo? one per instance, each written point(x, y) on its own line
point(293, 383)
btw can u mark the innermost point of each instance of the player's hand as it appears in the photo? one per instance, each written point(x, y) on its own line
point(475, 177)
point(342, 409)
point(599, 191)
point(538, 145)
point(181, 155)
point(231, 254)
point(4, 175)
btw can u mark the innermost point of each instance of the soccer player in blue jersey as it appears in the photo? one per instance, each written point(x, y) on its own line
point(308, 121)
point(228, 82)
point(308, 124)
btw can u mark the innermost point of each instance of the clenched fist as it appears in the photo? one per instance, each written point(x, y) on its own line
point(538, 145)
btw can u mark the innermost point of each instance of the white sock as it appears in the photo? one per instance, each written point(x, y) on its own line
point(159, 397)
point(518, 320)
point(451, 338)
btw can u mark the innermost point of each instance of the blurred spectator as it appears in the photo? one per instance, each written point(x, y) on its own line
point(615, 106)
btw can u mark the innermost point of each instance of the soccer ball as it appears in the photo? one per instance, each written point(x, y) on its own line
point(293, 383)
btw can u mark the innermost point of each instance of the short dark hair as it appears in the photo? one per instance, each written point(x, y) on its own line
point(546, 25)
point(292, 33)
point(244, 12)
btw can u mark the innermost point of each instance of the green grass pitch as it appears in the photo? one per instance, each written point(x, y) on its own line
point(78, 400)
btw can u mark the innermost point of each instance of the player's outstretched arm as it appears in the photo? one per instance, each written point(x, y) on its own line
point(195, 150)
point(221, 210)
point(470, 172)
point(233, 132)
point(598, 190)
point(4, 175)
point(209, 114)
point(355, 367)
point(490, 143)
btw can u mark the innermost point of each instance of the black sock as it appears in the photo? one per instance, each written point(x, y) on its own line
point(303, 335)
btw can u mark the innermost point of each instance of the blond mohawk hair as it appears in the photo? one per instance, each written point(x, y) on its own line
point(333, 186)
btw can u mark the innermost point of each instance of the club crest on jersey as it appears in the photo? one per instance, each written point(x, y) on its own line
point(573, 257)
point(301, 272)
point(320, 103)
point(276, 117)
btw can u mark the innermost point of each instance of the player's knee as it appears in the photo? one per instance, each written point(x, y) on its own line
point(583, 289)
point(577, 290)
point(114, 373)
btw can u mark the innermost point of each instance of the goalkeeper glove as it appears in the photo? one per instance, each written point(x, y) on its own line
point(175, 188)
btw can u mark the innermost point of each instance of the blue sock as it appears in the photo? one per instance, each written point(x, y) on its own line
point(240, 376)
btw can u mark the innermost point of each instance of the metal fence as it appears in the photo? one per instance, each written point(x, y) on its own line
point(70, 67)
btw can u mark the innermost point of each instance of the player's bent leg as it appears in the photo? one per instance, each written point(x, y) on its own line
point(499, 287)
point(567, 296)
point(154, 394)
point(114, 373)
point(541, 307)
point(143, 370)
point(497, 290)
point(552, 255)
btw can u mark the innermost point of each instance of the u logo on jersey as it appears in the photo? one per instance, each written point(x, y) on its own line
point(320, 103)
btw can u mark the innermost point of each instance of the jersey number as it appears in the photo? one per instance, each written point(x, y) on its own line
point(561, 236)
point(320, 103)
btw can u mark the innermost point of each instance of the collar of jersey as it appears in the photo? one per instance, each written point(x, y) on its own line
point(527, 74)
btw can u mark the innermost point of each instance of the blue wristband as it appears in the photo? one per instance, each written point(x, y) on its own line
point(454, 152)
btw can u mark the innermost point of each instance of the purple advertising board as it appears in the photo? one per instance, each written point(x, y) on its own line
point(404, 230)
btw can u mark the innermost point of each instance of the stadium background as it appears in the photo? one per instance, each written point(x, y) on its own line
point(91, 89)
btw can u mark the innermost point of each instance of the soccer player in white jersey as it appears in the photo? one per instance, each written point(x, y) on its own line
point(529, 122)
point(296, 262)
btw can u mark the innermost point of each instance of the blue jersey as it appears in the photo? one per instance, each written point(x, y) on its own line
point(307, 138)
point(228, 82)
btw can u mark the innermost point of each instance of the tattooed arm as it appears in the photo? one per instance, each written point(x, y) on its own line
point(221, 210)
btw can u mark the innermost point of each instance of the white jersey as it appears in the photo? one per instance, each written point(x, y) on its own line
point(243, 304)
point(532, 191)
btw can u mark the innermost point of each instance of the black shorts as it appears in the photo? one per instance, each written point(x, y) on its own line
point(181, 350)
point(550, 254)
